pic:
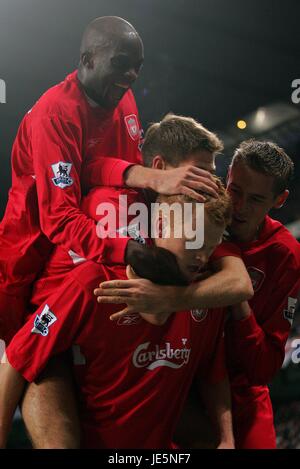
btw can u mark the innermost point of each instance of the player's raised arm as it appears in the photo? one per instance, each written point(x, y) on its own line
point(56, 149)
point(186, 180)
point(228, 285)
point(189, 180)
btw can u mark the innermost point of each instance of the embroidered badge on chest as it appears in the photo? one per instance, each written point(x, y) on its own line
point(257, 277)
point(132, 126)
point(199, 314)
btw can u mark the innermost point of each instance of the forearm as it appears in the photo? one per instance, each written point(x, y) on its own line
point(105, 171)
point(230, 284)
point(217, 400)
point(12, 385)
point(216, 291)
point(141, 178)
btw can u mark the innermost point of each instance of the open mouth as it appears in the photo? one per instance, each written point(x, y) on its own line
point(121, 85)
point(117, 91)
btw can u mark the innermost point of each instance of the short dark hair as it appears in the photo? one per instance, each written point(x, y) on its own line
point(176, 137)
point(266, 158)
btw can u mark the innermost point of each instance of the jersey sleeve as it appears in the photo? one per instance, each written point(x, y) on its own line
point(261, 347)
point(57, 161)
point(105, 171)
point(226, 248)
point(215, 370)
point(52, 329)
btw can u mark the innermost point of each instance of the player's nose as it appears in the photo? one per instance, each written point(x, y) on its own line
point(131, 75)
point(202, 258)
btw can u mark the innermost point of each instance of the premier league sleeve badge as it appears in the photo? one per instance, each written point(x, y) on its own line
point(62, 172)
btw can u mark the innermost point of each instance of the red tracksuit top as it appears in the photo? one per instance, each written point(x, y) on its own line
point(61, 149)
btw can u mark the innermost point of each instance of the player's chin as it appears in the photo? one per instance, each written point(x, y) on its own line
point(112, 100)
point(234, 229)
point(110, 105)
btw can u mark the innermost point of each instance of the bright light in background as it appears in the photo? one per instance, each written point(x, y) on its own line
point(241, 124)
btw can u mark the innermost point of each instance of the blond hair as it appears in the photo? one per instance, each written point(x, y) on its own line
point(218, 209)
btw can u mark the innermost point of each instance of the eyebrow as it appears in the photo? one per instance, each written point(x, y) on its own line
point(127, 55)
point(259, 196)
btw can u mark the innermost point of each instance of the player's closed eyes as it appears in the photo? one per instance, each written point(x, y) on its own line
point(234, 190)
point(257, 200)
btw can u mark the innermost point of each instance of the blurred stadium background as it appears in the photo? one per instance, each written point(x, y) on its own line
point(228, 64)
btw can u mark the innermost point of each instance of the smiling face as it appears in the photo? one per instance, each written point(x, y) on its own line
point(111, 70)
point(253, 197)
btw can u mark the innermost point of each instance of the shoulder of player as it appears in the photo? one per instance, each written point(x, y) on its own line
point(226, 249)
point(63, 101)
point(128, 105)
point(286, 248)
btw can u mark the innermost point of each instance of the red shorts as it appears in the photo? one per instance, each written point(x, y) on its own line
point(253, 423)
point(12, 314)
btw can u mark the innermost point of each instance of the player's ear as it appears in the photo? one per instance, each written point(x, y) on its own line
point(158, 162)
point(130, 272)
point(228, 173)
point(281, 198)
point(87, 60)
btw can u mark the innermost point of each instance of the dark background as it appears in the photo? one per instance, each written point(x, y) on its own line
point(215, 60)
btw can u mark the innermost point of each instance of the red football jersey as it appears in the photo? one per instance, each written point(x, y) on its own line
point(62, 261)
point(65, 143)
point(133, 376)
point(255, 346)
